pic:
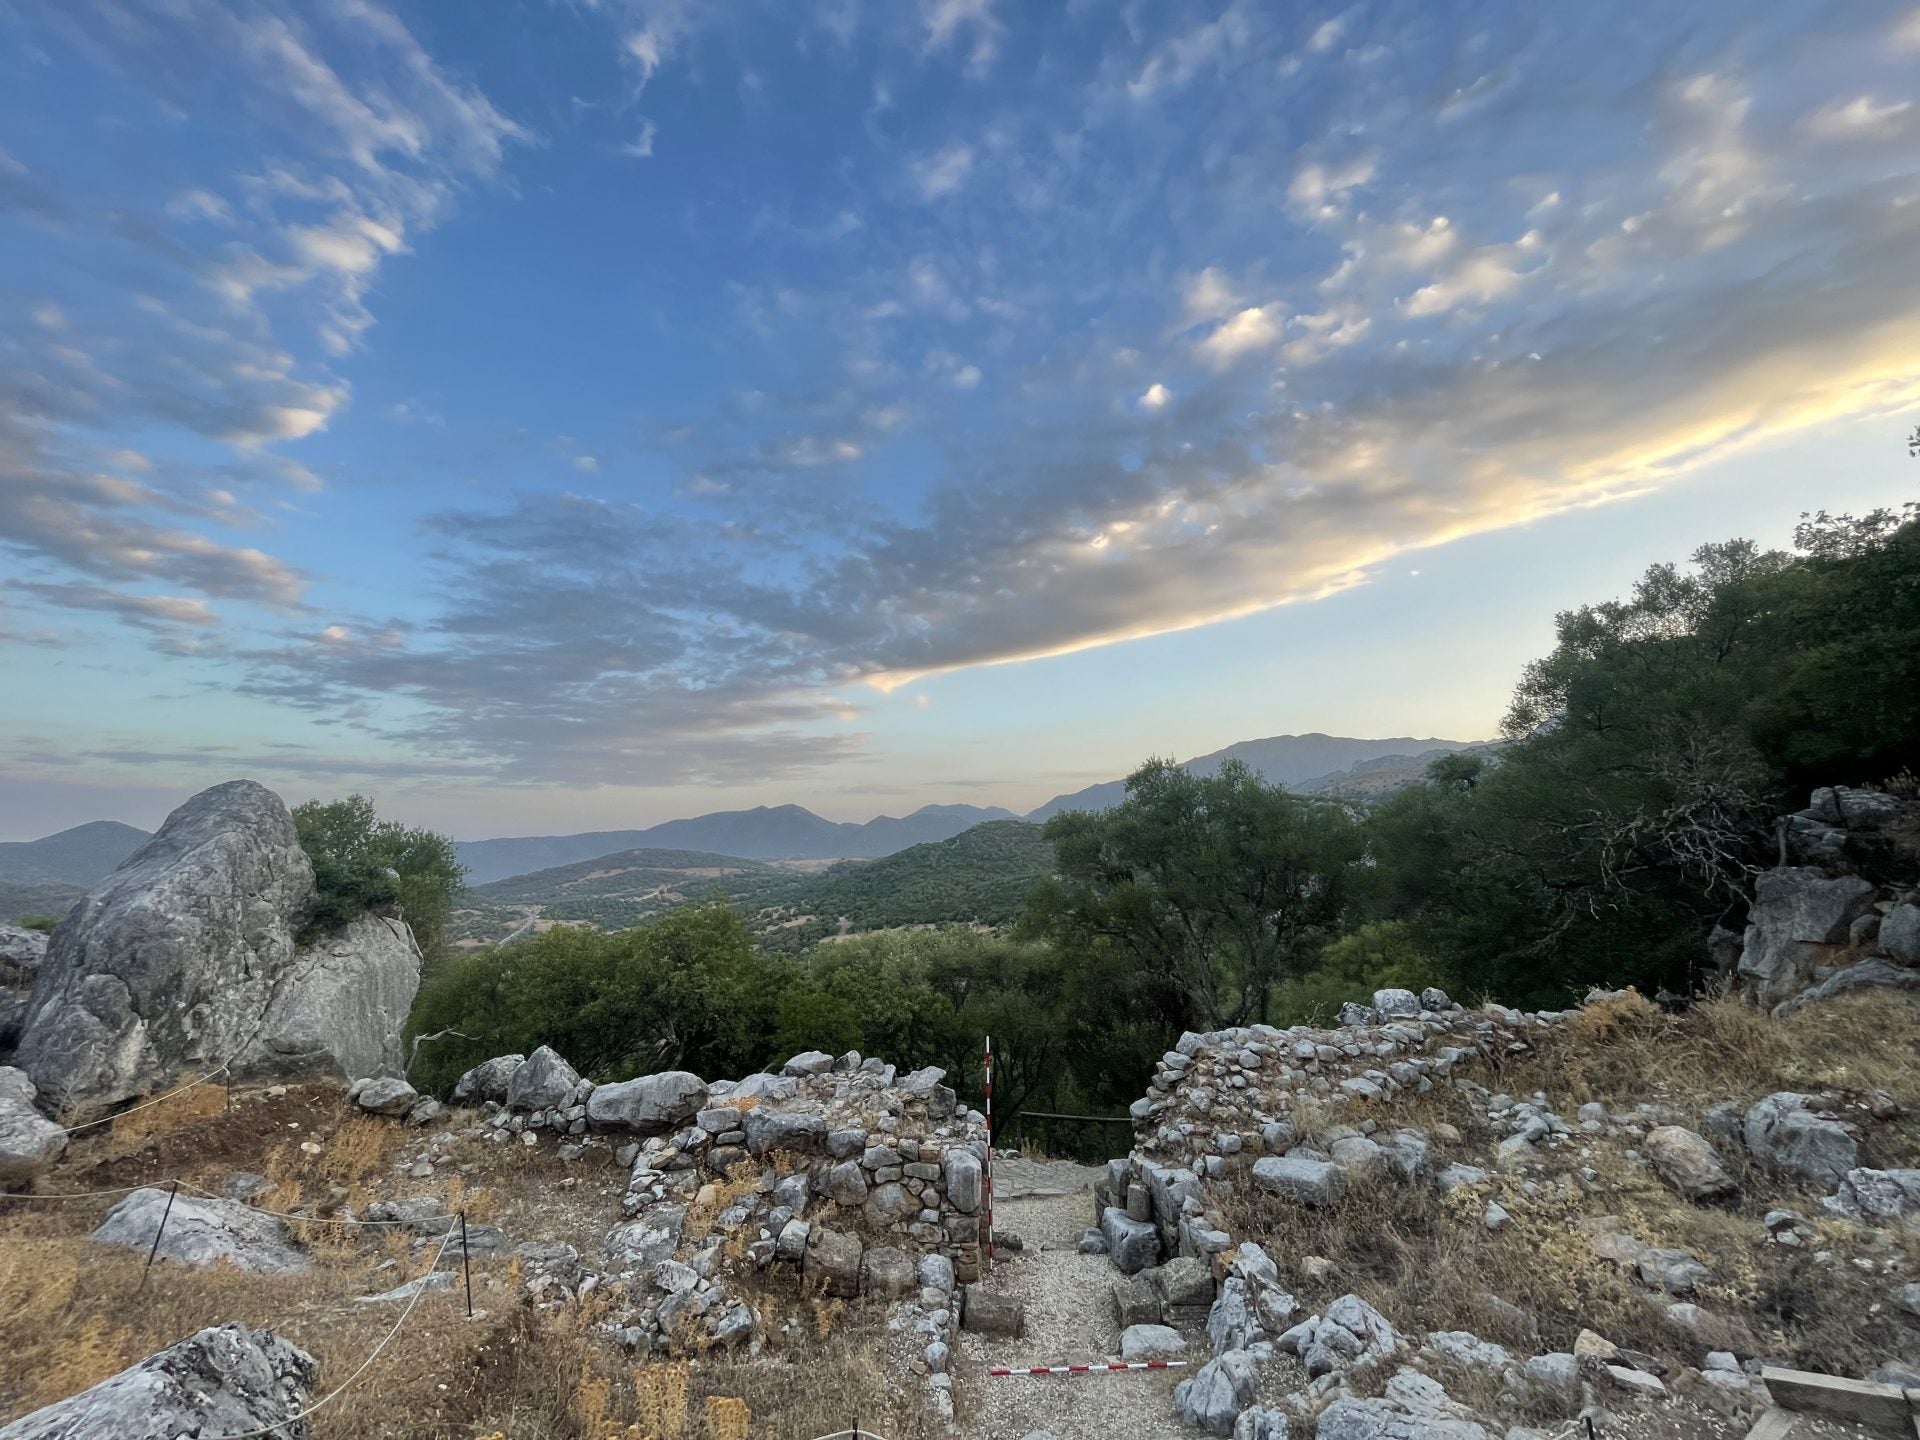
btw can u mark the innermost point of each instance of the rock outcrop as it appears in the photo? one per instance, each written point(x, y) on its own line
point(29, 1142)
point(227, 1380)
point(21, 953)
point(185, 957)
point(1827, 925)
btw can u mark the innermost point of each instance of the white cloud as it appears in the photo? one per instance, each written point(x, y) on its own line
point(1326, 35)
point(49, 316)
point(1255, 328)
point(1481, 276)
point(641, 146)
point(198, 205)
point(1320, 191)
point(1187, 54)
point(966, 377)
point(952, 23)
point(1207, 296)
point(587, 464)
point(1859, 118)
point(943, 172)
point(1155, 397)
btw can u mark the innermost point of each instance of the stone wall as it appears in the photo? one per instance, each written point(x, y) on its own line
point(825, 1165)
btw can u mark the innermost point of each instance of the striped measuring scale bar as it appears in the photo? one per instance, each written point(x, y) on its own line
point(1104, 1369)
point(988, 1188)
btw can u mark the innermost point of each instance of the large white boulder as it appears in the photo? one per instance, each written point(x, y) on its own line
point(185, 958)
point(227, 1380)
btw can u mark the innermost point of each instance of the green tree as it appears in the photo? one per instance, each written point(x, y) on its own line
point(1224, 884)
point(363, 863)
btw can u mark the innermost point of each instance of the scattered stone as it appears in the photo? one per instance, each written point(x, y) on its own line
point(384, 1095)
point(809, 1062)
point(1785, 1135)
point(1690, 1166)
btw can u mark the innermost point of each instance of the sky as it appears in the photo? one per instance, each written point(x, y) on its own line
point(571, 414)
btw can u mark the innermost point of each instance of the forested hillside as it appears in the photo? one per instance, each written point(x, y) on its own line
point(979, 877)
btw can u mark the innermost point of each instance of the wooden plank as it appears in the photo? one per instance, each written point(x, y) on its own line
point(1859, 1402)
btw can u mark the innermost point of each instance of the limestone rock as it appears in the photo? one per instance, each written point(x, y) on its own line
point(1394, 1004)
point(963, 1180)
point(226, 1380)
point(648, 1104)
point(341, 1009)
point(645, 1242)
point(29, 1142)
point(1132, 1244)
point(988, 1313)
point(1310, 1182)
point(1795, 910)
point(21, 953)
point(1900, 934)
point(544, 1082)
point(201, 1232)
point(1213, 1399)
point(1871, 974)
point(811, 1062)
point(887, 1271)
point(487, 1080)
point(384, 1095)
point(833, 1261)
point(1786, 1136)
point(1260, 1424)
point(769, 1130)
point(166, 967)
point(1689, 1165)
point(1876, 1197)
point(1151, 1342)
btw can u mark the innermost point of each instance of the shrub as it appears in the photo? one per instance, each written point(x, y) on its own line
point(362, 863)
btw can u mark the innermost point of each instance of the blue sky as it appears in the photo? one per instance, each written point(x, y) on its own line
point(552, 416)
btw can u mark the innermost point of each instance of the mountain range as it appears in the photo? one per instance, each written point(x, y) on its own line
point(48, 875)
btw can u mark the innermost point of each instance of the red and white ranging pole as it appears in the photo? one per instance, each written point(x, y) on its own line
point(988, 1188)
point(1088, 1369)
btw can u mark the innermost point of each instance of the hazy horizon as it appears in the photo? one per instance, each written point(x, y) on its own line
point(550, 418)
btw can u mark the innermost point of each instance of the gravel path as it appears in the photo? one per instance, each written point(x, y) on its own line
point(1069, 1319)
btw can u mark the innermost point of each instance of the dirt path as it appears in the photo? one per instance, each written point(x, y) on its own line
point(1069, 1319)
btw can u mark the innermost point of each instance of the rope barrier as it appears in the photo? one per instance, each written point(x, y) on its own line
point(281, 1427)
point(290, 1215)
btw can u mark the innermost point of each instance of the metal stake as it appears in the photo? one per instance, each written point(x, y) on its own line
point(158, 1231)
point(466, 1263)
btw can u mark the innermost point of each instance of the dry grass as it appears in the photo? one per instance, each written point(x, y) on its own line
point(1427, 1262)
point(76, 1312)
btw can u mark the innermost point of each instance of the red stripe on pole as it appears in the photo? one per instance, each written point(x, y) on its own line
point(1107, 1369)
